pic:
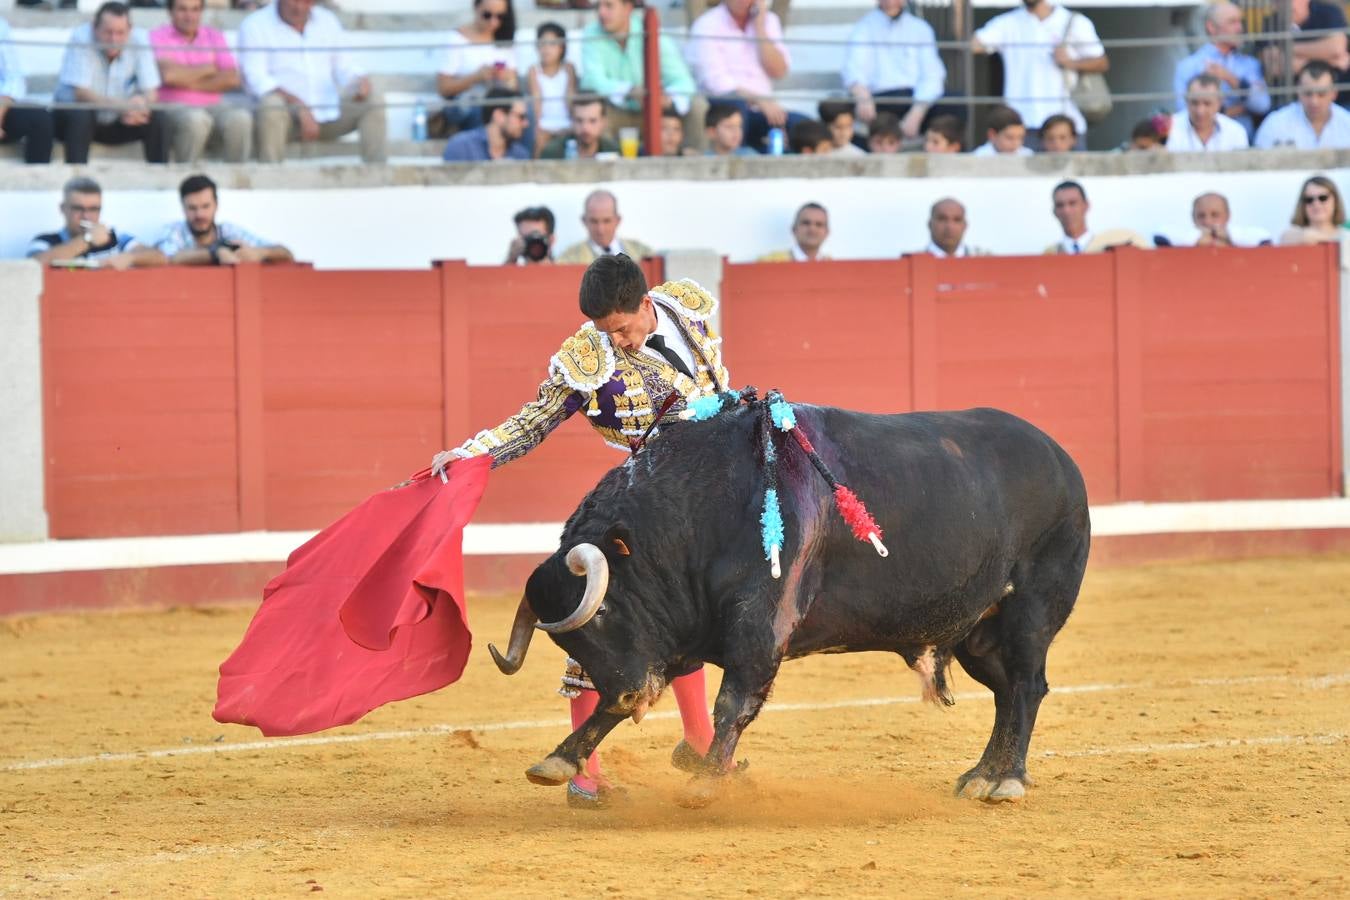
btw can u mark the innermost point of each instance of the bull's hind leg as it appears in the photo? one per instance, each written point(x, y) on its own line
point(1006, 653)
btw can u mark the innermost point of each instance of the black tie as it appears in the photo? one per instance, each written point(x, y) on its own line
point(658, 343)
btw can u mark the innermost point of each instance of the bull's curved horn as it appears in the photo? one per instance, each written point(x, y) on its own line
point(521, 632)
point(584, 559)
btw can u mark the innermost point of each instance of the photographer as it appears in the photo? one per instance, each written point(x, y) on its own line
point(199, 240)
point(533, 243)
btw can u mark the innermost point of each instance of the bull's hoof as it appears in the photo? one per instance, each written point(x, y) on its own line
point(686, 758)
point(699, 793)
point(992, 790)
point(552, 771)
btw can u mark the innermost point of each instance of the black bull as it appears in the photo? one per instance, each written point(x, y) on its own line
point(985, 518)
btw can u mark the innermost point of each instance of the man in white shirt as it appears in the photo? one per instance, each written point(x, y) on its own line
point(1071, 209)
point(810, 228)
point(1315, 121)
point(1202, 128)
point(108, 67)
point(1214, 228)
point(305, 88)
point(892, 56)
point(1044, 49)
point(947, 231)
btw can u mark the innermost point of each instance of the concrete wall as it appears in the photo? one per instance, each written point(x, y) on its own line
point(22, 513)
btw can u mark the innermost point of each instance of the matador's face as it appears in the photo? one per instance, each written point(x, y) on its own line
point(629, 331)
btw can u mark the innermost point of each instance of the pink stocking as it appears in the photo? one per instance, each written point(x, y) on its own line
point(692, 697)
point(582, 707)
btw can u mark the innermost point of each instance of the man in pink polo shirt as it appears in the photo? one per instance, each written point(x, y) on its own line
point(198, 69)
point(736, 52)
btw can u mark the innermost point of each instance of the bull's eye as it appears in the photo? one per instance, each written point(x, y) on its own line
point(601, 611)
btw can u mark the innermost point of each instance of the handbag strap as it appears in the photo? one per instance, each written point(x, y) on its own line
point(1065, 73)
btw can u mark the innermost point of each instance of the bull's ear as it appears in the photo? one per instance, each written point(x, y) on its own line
point(619, 539)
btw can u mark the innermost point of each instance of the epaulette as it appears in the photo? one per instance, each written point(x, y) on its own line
point(586, 360)
point(688, 297)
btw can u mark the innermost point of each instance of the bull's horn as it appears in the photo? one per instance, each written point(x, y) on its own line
point(521, 632)
point(584, 559)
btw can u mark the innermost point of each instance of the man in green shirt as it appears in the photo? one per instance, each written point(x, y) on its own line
point(612, 67)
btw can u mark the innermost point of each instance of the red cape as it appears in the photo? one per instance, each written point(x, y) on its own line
point(370, 610)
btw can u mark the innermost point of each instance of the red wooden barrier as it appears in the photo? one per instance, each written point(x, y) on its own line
point(181, 401)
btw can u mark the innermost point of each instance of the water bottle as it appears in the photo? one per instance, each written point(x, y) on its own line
point(419, 122)
point(570, 149)
point(775, 142)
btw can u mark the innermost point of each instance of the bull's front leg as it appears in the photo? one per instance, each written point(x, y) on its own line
point(744, 689)
point(568, 757)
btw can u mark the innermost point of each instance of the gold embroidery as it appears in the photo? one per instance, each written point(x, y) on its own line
point(693, 301)
point(586, 360)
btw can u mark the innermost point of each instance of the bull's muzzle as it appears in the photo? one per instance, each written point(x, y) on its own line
point(583, 559)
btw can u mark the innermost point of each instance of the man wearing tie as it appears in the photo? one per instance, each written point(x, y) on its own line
point(642, 357)
point(1071, 209)
point(601, 218)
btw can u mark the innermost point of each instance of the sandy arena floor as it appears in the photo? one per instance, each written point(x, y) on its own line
point(1195, 743)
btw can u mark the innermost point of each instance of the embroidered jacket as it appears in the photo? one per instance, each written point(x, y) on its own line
point(620, 392)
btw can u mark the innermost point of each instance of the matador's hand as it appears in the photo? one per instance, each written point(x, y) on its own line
point(441, 460)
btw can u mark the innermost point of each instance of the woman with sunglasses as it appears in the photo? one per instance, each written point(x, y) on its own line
point(480, 55)
point(1319, 214)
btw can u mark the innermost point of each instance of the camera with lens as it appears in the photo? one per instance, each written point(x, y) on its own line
point(536, 247)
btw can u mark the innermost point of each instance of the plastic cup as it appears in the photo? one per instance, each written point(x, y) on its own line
point(628, 142)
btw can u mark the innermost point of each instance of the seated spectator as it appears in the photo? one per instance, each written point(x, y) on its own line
point(612, 66)
point(305, 86)
point(109, 65)
point(1145, 136)
point(672, 135)
point(884, 136)
point(197, 69)
point(552, 84)
point(21, 121)
point(1241, 82)
point(945, 134)
point(892, 57)
point(1071, 209)
point(533, 243)
point(1202, 128)
point(725, 131)
point(199, 240)
point(947, 231)
point(589, 124)
point(1045, 48)
point(1318, 215)
point(1211, 216)
point(499, 137)
point(477, 56)
point(1058, 135)
point(810, 228)
point(1005, 136)
point(809, 137)
point(1332, 49)
point(601, 218)
point(736, 57)
point(1315, 121)
point(86, 241)
point(838, 117)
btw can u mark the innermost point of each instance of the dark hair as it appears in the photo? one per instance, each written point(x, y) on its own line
point(1059, 119)
point(804, 207)
point(807, 133)
point(552, 29)
point(1316, 68)
point(830, 110)
point(498, 98)
point(1204, 79)
point(196, 183)
point(886, 124)
point(670, 112)
point(587, 101)
point(1070, 185)
point(1001, 117)
point(718, 113)
point(536, 214)
point(949, 127)
point(1145, 128)
point(506, 25)
point(612, 284)
point(112, 8)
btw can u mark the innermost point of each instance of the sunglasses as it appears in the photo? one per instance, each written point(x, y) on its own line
point(1309, 199)
point(488, 15)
